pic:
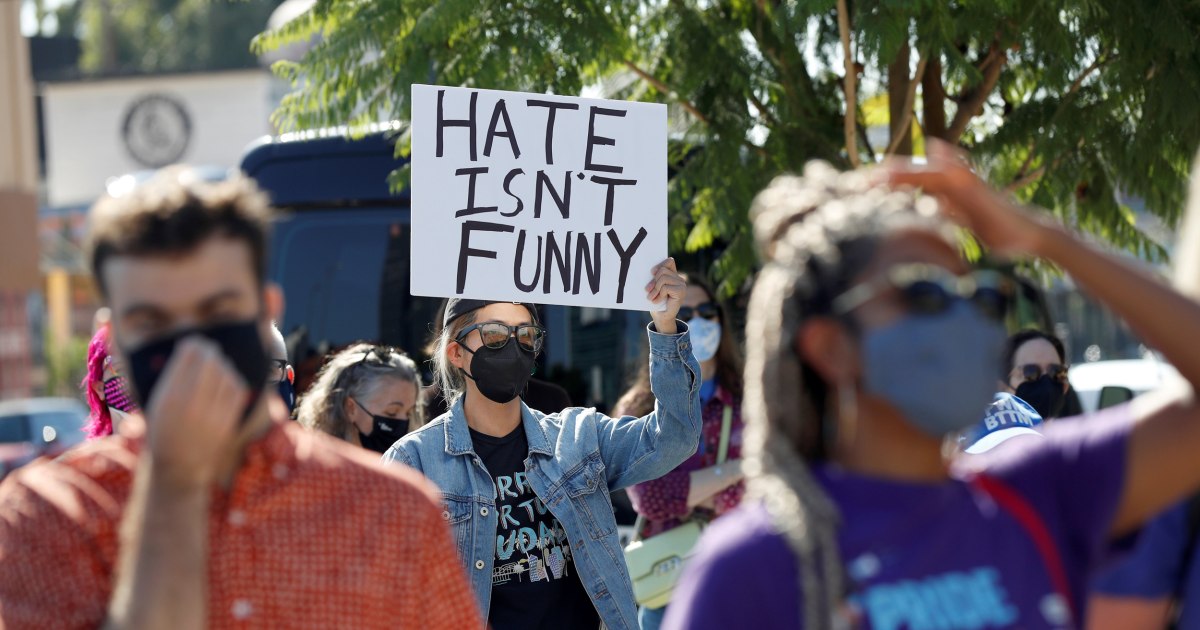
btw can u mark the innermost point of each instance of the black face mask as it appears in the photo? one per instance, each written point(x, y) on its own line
point(384, 433)
point(501, 374)
point(1045, 395)
point(239, 342)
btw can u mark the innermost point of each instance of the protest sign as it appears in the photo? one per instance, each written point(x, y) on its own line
point(537, 198)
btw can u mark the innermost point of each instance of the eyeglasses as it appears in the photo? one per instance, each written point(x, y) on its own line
point(707, 310)
point(278, 370)
point(930, 289)
point(495, 335)
point(1033, 371)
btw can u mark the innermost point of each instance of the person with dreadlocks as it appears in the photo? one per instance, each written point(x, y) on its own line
point(868, 342)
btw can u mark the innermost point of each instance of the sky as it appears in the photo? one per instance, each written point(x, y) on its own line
point(29, 17)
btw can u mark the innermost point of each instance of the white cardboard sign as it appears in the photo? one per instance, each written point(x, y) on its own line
point(537, 198)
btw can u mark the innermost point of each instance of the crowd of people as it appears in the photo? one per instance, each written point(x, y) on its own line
point(885, 455)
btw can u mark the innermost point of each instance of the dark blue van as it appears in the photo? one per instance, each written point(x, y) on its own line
point(340, 251)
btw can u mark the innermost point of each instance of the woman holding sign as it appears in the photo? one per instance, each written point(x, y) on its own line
point(869, 340)
point(527, 494)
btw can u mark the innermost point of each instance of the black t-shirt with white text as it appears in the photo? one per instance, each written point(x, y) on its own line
point(534, 583)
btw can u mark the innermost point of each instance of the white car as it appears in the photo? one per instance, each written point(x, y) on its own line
point(1103, 384)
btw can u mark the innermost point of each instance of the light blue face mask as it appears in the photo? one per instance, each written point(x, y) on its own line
point(938, 370)
point(706, 337)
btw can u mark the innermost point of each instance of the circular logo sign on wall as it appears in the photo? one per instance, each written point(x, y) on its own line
point(156, 130)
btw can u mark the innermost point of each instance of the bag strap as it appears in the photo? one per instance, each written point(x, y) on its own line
point(726, 425)
point(638, 524)
point(1011, 501)
point(722, 454)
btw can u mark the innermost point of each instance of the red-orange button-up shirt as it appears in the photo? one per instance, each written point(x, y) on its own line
point(312, 533)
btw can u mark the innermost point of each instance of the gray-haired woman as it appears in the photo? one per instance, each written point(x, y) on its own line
point(366, 395)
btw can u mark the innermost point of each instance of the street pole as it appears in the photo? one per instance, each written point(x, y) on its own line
point(19, 275)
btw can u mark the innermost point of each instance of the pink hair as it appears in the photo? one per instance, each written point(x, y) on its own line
point(99, 421)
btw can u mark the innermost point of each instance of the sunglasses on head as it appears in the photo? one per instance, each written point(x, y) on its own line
point(707, 310)
point(1033, 371)
point(930, 289)
point(495, 335)
point(381, 354)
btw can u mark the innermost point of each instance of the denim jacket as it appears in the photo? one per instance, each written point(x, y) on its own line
point(576, 457)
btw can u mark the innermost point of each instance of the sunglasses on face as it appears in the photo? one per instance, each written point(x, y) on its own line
point(495, 335)
point(930, 290)
point(707, 310)
point(1032, 372)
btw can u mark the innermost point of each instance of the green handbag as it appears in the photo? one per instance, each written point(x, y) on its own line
point(656, 563)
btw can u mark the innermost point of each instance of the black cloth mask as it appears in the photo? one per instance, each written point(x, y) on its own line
point(501, 374)
point(1046, 395)
point(240, 342)
point(384, 433)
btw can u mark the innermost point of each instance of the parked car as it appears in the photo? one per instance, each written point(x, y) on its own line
point(1103, 384)
point(33, 427)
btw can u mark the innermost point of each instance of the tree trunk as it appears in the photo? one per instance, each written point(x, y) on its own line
point(108, 38)
point(849, 85)
point(899, 124)
point(933, 98)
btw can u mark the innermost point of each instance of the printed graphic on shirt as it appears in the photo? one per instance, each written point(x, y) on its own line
point(531, 545)
point(973, 598)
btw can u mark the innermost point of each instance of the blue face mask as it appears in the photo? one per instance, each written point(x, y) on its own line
point(938, 370)
point(706, 337)
point(288, 393)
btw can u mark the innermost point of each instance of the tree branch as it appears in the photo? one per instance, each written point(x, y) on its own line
point(687, 105)
point(668, 92)
point(971, 101)
point(779, 60)
point(862, 133)
point(1100, 61)
point(850, 81)
point(763, 111)
point(1023, 177)
point(903, 129)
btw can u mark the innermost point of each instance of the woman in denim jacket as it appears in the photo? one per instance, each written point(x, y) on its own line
point(527, 494)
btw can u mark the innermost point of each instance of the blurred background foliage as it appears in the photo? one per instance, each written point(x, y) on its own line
point(1085, 108)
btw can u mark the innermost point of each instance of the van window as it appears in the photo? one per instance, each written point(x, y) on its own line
point(65, 428)
point(14, 429)
point(345, 275)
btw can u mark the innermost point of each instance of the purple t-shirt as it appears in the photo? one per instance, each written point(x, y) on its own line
point(929, 555)
point(1159, 567)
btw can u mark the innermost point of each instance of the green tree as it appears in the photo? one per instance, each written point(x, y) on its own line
point(1077, 106)
point(143, 36)
point(66, 367)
